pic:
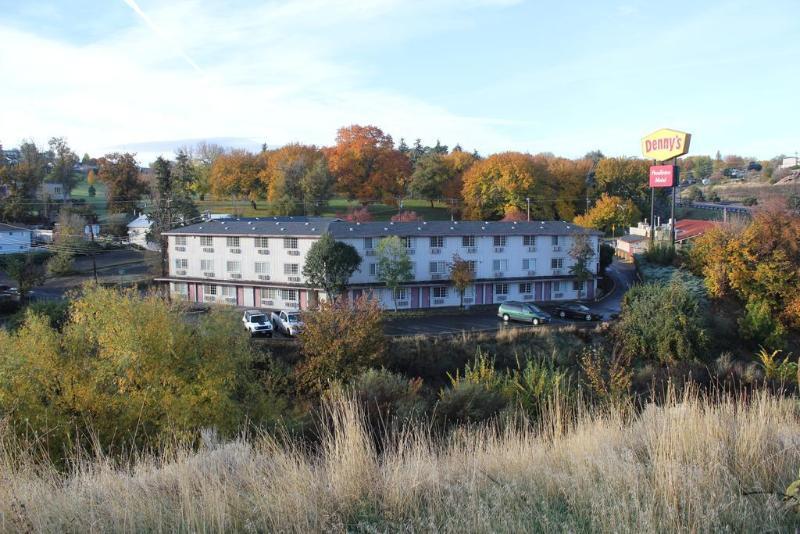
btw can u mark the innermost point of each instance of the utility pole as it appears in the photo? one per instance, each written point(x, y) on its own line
point(94, 251)
point(528, 200)
point(674, 189)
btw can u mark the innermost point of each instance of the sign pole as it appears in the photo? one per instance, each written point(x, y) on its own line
point(674, 188)
point(652, 214)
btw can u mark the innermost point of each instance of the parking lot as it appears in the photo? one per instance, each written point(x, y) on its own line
point(457, 323)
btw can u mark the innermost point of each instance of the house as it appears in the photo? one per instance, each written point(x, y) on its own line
point(138, 230)
point(790, 162)
point(638, 240)
point(14, 239)
point(53, 191)
point(258, 262)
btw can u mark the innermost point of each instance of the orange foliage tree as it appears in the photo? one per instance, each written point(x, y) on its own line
point(570, 178)
point(500, 184)
point(458, 162)
point(295, 175)
point(407, 216)
point(366, 165)
point(237, 174)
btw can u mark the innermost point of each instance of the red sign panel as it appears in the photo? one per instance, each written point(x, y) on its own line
point(663, 175)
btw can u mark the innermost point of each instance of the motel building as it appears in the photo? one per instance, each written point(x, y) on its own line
point(258, 262)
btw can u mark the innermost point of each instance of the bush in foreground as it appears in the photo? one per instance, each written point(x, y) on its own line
point(682, 467)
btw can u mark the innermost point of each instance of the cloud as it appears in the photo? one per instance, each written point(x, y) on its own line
point(278, 72)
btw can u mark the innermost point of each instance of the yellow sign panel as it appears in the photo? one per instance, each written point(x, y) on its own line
point(665, 144)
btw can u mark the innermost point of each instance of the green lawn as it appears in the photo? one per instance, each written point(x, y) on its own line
point(98, 202)
point(695, 213)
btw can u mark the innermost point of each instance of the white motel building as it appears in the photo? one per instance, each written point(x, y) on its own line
point(258, 262)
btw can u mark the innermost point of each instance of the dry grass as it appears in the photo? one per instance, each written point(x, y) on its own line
point(679, 467)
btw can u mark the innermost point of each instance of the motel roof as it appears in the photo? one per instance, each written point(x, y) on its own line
point(316, 226)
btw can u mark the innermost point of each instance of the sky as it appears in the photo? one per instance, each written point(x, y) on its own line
point(491, 75)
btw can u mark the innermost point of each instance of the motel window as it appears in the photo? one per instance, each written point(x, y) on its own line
point(262, 242)
point(440, 292)
point(529, 240)
point(180, 289)
point(268, 293)
point(501, 289)
point(401, 293)
point(211, 290)
point(556, 287)
point(206, 241)
point(499, 240)
point(437, 241)
point(289, 242)
point(289, 295)
point(500, 266)
point(468, 241)
point(557, 263)
point(234, 266)
point(555, 240)
point(291, 268)
point(577, 286)
point(228, 291)
point(525, 288)
point(438, 267)
point(181, 263)
point(207, 266)
point(408, 242)
point(368, 245)
point(262, 267)
point(473, 266)
point(373, 269)
point(180, 240)
point(232, 242)
point(529, 264)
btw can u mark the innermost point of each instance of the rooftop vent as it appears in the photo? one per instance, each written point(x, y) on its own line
point(351, 228)
point(385, 229)
point(306, 224)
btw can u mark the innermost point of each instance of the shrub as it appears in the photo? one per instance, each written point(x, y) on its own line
point(469, 402)
point(662, 322)
point(340, 340)
point(606, 257)
point(760, 325)
point(750, 201)
point(61, 264)
point(695, 194)
point(386, 397)
point(55, 312)
point(784, 370)
point(661, 254)
point(713, 196)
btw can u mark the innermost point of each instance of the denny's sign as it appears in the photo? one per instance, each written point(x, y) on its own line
point(665, 144)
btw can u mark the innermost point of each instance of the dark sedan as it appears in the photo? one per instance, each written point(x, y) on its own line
point(576, 311)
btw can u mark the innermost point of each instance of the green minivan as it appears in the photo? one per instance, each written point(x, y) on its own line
point(522, 311)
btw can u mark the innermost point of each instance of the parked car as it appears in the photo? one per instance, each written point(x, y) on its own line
point(287, 322)
point(257, 323)
point(522, 311)
point(575, 310)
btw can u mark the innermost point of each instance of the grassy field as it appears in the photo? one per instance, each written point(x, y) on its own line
point(764, 192)
point(685, 466)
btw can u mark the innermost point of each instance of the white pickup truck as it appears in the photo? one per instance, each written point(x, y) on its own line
point(287, 322)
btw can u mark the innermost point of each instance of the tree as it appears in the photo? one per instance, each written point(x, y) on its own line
point(296, 177)
point(663, 323)
point(21, 182)
point(610, 214)
point(570, 177)
point(238, 174)
point(68, 241)
point(407, 216)
point(358, 214)
point(64, 161)
point(458, 162)
point(758, 263)
point(340, 340)
point(624, 177)
point(393, 264)
point(171, 202)
point(330, 264)
point(462, 275)
point(594, 156)
point(120, 174)
point(202, 157)
point(127, 383)
point(431, 173)
point(366, 165)
point(502, 182)
point(582, 252)
point(27, 270)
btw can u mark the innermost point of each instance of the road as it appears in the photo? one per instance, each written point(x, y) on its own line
point(112, 266)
